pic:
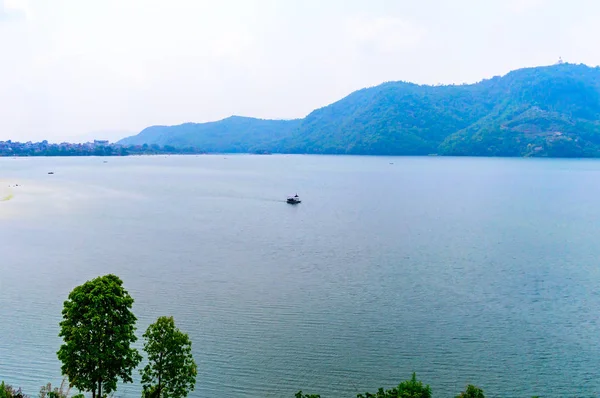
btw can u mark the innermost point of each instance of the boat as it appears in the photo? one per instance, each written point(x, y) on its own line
point(294, 199)
point(50, 172)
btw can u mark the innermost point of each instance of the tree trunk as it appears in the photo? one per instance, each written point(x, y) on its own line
point(159, 387)
point(100, 388)
point(160, 366)
point(94, 391)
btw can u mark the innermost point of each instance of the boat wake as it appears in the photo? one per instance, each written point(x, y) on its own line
point(245, 197)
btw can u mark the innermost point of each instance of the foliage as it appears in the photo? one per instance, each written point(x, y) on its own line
point(98, 330)
point(299, 394)
point(518, 114)
point(471, 392)
point(171, 370)
point(57, 392)
point(7, 391)
point(412, 388)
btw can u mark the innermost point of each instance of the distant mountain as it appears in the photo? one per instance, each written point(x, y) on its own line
point(542, 111)
point(235, 134)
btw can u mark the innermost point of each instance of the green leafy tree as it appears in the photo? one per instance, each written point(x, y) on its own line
point(471, 392)
point(171, 370)
point(98, 329)
point(412, 388)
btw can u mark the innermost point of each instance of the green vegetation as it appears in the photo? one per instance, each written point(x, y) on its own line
point(412, 388)
point(550, 111)
point(299, 394)
point(98, 330)
point(57, 392)
point(471, 392)
point(7, 391)
point(171, 370)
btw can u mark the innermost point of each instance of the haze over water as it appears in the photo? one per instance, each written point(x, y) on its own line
point(480, 271)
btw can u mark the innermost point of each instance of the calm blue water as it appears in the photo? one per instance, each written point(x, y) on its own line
point(483, 271)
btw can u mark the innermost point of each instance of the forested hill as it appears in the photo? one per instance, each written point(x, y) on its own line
point(542, 111)
point(233, 135)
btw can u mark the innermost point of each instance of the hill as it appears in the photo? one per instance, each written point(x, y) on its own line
point(233, 135)
point(543, 111)
point(547, 111)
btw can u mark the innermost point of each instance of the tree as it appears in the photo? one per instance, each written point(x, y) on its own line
point(98, 329)
point(171, 370)
point(412, 388)
point(471, 392)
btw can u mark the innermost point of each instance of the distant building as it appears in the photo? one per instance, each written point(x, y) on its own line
point(100, 142)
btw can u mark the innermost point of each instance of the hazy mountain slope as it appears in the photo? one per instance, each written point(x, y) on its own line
point(393, 118)
point(235, 134)
point(543, 111)
point(551, 111)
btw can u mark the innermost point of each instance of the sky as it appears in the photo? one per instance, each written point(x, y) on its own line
point(75, 69)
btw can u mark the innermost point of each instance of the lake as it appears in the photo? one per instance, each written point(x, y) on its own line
point(464, 270)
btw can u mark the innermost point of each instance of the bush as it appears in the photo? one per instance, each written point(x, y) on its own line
point(471, 392)
point(57, 392)
point(407, 389)
point(300, 395)
point(7, 391)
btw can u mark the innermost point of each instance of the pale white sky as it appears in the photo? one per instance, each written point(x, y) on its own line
point(71, 67)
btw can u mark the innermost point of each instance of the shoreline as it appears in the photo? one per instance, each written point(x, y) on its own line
point(431, 155)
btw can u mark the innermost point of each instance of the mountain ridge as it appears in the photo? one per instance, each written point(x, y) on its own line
point(539, 111)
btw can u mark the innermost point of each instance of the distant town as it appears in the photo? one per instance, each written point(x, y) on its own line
point(95, 148)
